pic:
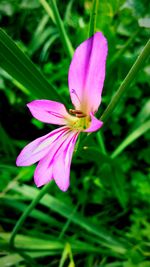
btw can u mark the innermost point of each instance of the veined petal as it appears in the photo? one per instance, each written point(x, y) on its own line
point(95, 124)
point(38, 148)
point(44, 170)
point(48, 111)
point(62, 162)
point(87, 73)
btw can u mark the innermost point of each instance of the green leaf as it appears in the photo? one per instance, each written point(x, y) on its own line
point(20, 67)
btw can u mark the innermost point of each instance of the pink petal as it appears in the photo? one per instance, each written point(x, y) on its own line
point(62, 162)
point(87, 73)
point(95, 124)
point(38, 148)
point(43, 172)
point(48, 111)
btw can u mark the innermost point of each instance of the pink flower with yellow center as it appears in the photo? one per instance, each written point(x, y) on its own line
point(54, 150)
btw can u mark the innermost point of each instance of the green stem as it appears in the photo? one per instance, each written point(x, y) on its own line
point(63, 35)
point(28, 259)
point(130, 138)
point(93, 17)
point(25, 214)
point(125, 84)
point(101, 142)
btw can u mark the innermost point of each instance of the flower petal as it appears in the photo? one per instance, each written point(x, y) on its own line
point(95, 124)
point(43, 172)
point(87, 73)
point(62, 162)
point(48, 111)
point(38, 148)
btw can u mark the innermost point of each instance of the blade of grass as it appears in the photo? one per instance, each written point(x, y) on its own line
point(30, 243)
point(36, 214)
point(57, 206)
point(67, 253)
point(27, 212)
point(21, 68)
point(142, 129)
point(101, 143)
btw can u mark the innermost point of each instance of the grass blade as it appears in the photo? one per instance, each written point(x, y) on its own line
point(20, 67)
point(57, 206)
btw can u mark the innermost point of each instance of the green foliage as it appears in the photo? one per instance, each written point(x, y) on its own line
point(103, 219)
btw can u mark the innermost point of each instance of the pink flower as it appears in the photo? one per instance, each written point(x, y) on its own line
point(54, 150)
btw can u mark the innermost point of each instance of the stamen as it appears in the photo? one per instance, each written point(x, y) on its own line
point(78, 113)
point(72, 111)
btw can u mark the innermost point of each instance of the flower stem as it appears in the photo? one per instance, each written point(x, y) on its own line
point(63, 35)
point(27, 211)
point(125, 84)
point(101, 142)
point(93, 17)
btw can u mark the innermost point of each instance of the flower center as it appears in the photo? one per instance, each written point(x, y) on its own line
point(79, 122)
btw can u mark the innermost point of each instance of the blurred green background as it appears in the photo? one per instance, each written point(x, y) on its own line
point(103, 220)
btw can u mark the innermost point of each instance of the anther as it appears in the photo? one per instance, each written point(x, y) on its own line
point(78, 113)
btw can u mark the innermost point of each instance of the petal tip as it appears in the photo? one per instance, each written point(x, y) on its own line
point(96, 124)
point(63, 188)
point(38, 184)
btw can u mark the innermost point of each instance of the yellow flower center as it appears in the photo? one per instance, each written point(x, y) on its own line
point(80, 122)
